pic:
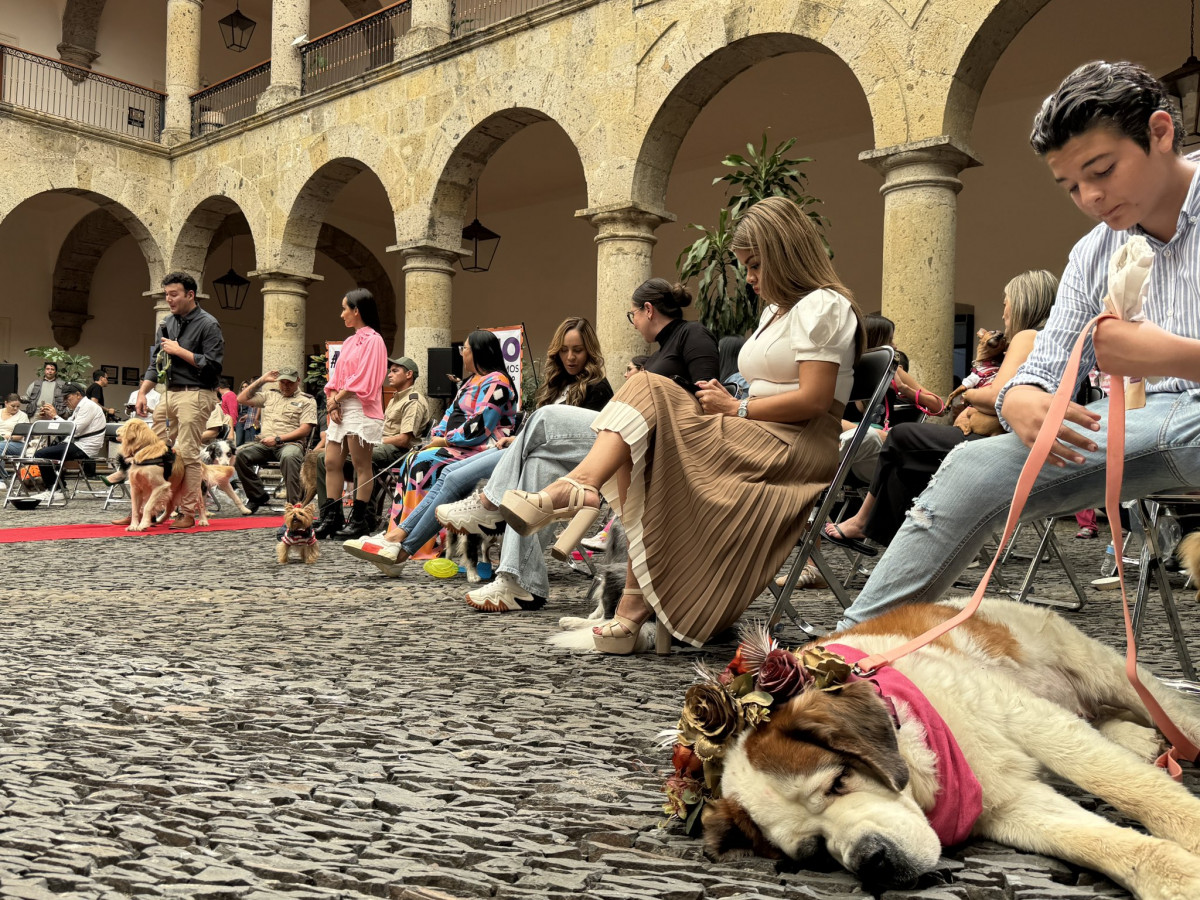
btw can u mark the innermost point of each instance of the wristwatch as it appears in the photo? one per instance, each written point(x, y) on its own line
point(744, 409)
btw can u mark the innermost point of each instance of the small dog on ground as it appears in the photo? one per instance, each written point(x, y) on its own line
point(155, 482)
point(298, 535)
point(217, 457)
point(605, 591)
point(469, 550)
point(1188, 554)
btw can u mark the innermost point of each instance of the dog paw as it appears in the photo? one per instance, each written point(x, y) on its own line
point(1137, 739)
point(473, 577)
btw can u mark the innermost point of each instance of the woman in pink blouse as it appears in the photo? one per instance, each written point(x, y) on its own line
point(353, 400)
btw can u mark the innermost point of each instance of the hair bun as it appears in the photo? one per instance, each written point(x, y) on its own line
point(681, 295)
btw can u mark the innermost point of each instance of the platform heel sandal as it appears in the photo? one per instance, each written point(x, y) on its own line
point(619, 635)
point(528, 512)
point(662, 638)
point(573, 533)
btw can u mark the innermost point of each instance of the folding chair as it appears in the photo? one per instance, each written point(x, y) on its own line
point(1147, 511)
point(40, 433)
point(101, 464)
point(19, 431)
point(871, 378)
point(1047, 546)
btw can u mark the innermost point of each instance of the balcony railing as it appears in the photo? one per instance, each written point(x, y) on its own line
point(471, 15)
point(230, 100)
point(73, 92)
point(354, 49)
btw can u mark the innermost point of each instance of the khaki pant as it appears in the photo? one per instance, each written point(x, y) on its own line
point(186, 412)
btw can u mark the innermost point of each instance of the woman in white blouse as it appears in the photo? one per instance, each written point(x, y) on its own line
point(713, 492)
point(10, 417)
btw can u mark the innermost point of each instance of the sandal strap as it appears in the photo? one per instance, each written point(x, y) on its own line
point(628, 626)
point(579, 491)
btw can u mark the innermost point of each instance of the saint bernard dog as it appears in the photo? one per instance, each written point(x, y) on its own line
point(1012, 694)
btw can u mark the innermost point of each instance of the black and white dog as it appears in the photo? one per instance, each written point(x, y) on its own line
point(605, 591)
point(469, 550)
point(217, 457)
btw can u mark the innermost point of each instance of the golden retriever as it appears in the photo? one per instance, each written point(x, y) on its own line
point(150, 490)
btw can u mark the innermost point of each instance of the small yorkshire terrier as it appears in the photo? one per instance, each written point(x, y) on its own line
point(298, 533)
point(1188, 554)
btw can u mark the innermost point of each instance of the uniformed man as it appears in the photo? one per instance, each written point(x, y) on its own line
point(288, 418)
point(405, 422)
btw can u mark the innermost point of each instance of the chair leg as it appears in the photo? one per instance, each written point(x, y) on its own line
point(1151, 566)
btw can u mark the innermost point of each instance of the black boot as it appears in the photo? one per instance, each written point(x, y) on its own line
point(332, 519)
point(360, 522)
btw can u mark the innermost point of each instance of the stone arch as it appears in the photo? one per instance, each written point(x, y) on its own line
point(345, 250)
point(71, 286)
point(128, 220)
point(197, 235)
point(695, 88)
point(80, 24)
point(298, 244)
point(464, 160)
point(979, 58)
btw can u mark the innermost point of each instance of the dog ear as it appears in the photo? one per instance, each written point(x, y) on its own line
point(729, 832)
point(853, 721)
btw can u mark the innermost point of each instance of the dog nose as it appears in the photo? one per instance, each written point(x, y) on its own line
point(878, 860)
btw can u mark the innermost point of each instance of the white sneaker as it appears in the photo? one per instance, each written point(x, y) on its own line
point(469, 515)
point(503, 595)
point(376, 550)
point(599, 543)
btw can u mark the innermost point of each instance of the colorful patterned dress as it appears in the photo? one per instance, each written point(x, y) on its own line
point(482, 412)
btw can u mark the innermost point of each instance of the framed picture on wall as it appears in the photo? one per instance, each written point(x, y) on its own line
point(111, 373)
point(131, 375)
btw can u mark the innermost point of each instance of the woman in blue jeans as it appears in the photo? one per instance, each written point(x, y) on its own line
point(575, 377)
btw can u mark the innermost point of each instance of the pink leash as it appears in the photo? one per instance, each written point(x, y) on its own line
point(1115, 458)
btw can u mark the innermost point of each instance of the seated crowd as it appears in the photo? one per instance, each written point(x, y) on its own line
point(704, 440)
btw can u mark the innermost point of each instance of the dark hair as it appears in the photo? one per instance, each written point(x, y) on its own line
point(364, 301)
point(11, 397)
point(485, 350)
point(181, 278)
point(50, 363)
point(728, 348)
point(226, 382)
point(97, 375)
point(902, 360)
point(73, 387)
point(640, 361)
point(1119, 95)
point(669, 299)
point(880, 330)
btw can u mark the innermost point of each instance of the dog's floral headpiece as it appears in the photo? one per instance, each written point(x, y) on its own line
point(720, 706)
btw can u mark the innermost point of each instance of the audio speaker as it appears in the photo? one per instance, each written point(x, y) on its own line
point(8, 380)
point(441, 364)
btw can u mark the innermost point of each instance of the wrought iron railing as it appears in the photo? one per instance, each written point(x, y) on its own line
point(471, 15)
point(73, 92)
point(230, 100)
point(354, 49)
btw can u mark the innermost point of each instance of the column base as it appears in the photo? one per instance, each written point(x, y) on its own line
point(277, 95)
point(420, 40)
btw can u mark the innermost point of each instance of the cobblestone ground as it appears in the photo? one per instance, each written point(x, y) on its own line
point(184, 718)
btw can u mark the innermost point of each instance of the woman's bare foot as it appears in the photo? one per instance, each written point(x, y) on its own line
point(631, 610)
point(851, 528)
point(561, 491)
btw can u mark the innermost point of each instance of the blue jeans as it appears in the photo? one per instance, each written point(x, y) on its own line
point(969, 497)
point(9, 448)
point(457, 481)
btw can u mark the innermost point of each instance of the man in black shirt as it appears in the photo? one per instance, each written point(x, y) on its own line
point(185, 360)
point(95, 391)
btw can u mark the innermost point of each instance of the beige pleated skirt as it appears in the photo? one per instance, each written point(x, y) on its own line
point(715, 503)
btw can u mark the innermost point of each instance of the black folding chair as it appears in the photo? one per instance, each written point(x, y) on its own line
point(40, 434)
point(872, 376)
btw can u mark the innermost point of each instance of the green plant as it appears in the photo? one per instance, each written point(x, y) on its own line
point(316, 375)
point(71, 366)
point(726, 303)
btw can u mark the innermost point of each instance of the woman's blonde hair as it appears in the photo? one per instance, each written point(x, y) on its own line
point(559, 379)
point(1030, 296)
point(791, 257)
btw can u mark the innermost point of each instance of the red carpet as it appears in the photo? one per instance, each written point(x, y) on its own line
point(83, 532)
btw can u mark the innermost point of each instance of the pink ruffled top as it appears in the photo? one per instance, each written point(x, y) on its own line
point(361, 368)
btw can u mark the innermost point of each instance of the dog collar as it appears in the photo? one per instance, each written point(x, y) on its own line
point(959, 799)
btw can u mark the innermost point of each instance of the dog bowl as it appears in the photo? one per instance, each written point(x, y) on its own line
point(1107, 584)
point(26, 502)
point(441, 567)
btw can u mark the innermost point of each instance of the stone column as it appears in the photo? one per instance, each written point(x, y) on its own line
point(183, 68)
point(289, 20)
point(624, 243)
point(431, 27)
point(920, 211)
point(428, 297)
point(284, 295)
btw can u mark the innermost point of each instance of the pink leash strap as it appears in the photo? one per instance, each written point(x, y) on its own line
point(1040, 452)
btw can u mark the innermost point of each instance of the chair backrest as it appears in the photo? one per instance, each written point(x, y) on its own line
point(22, 430)
point(48, 428)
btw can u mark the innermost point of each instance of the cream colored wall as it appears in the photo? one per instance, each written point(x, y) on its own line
point(128, 30)
point(37, 26)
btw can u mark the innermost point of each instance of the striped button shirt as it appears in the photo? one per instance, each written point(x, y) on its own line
point(1172, 302)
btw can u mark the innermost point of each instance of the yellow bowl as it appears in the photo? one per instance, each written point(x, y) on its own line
point(441, 567)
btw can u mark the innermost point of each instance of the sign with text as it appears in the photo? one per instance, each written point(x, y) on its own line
point(512, 345)
point(333, 349)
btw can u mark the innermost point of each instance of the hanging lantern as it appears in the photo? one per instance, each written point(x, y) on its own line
point(236, 29)
point(1184, 87)
point(231, 287)
point(480, 242)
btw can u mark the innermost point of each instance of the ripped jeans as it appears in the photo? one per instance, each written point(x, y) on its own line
point(970, 495)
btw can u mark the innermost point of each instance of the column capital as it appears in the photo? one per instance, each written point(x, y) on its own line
point(282, 279)
point(631, 221)
point(423, 256)
point(933, 162)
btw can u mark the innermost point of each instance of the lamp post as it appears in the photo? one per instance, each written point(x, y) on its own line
point(481, 241)
point(236, 29)
point(1184, 87)
point(231, 287)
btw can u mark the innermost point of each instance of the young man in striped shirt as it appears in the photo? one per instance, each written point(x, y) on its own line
point(1112, 140)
